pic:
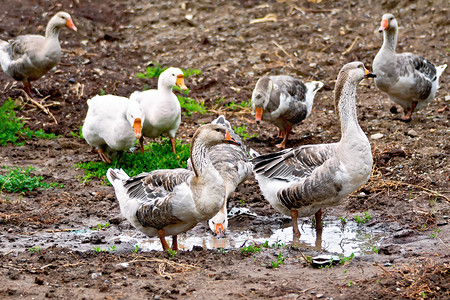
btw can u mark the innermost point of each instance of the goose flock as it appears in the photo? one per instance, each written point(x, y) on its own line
point(297, 182)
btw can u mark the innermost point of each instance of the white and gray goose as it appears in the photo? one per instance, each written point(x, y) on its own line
point(284, 101)
point(233, 163)
point(169, 202)
point(29, 57)
point(409, 79)
point(300, 182)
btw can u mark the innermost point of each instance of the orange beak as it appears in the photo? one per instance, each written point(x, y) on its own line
point(220, 232)
point(384, 25)
point(70, 24)
point(369, 74)
point(180, 82)
point(230, 140)
point(258, 114)
point(137, 128)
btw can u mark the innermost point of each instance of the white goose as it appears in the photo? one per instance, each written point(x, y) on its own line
point(29, 57)
point(283, 101)
point(299, 182)
point(232, 162)
point(169, 202)
point(112, 124)
point(410, 80)
point(162, 108)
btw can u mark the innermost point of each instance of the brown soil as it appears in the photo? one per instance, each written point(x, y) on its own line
point(407, 196)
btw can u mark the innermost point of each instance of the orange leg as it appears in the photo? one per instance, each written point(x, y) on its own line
point(162, 238)
point(141, 142)
point(318, 217)
point(172, 141)
point(294, 216)
point(408, 116)
point(174, 243)
point(103, 156)
point(286, 136)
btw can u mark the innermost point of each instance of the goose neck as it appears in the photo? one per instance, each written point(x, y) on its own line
point(390, 40)
point(52, 31)
point(200, 158)
point(347, 110)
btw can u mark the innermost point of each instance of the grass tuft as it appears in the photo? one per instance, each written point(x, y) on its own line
point(156, 156)
point(12, 129)
point(20, 180)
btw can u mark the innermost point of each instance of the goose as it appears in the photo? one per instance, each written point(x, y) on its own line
point(29, 57)
point(169, 202)
point(300, 182)
point(283, 101)
point(409, 80)
point(233, 164)
point(161, 107)
point(112, 124)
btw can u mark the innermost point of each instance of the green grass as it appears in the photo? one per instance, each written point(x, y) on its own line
point(156, 156)
point(242, 132)
point(363, 219)
point(190, 105)
point(154, 72)
point(12, 129)
point(20, 180)
point(250, 249)
point(238, 106)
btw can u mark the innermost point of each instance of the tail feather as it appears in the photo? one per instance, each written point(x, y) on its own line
point(5, 57)
point(116, 175)
point(314, 86)
point(440, 70)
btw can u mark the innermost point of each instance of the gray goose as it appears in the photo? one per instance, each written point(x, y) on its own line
point(300, 182)
point(232, 162)
point(169, 202)
point(409, 79)
point(29, 57)
point(283, 101)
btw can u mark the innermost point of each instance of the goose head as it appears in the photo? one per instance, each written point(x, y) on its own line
point(62, 19)
point(261, 97)
point(170, 78)
point(136, 117)
point(388, 23)
point(219, 224)
point(352, 73)
point(213, 134)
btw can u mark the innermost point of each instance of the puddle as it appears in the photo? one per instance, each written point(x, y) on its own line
point(335, 239)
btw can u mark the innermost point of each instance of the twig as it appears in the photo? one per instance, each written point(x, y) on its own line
point(38, 105)
point(267, 18)
point(443, 243)
point(282, 49)
point(351, 46)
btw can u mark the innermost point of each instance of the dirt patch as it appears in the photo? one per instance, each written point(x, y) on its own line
point(407, 196)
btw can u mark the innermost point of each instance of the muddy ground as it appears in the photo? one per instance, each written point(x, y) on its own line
point(407, 196)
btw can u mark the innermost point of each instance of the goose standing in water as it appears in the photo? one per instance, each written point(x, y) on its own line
point(169, 202)
point(29, 57)
point(283, 101)
point(232, 162)
point(162, 108)
point(410, 80)
point(112, 124)
point(300, 182)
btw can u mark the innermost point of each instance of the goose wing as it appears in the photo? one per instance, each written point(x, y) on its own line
point(292, 95)
point(420, 70)
point(155, 190)
point(293, 164)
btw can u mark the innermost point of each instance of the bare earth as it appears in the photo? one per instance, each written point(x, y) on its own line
point(408, 195)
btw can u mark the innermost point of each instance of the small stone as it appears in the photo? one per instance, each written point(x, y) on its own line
point(412, 133)
point(376, 136)
point(95, 275)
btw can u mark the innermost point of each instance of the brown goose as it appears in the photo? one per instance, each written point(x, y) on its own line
point(301, 181)
point(233, 164)
point(169, 202)
point(410, 80)
point(29, 57)
point(283, 101)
